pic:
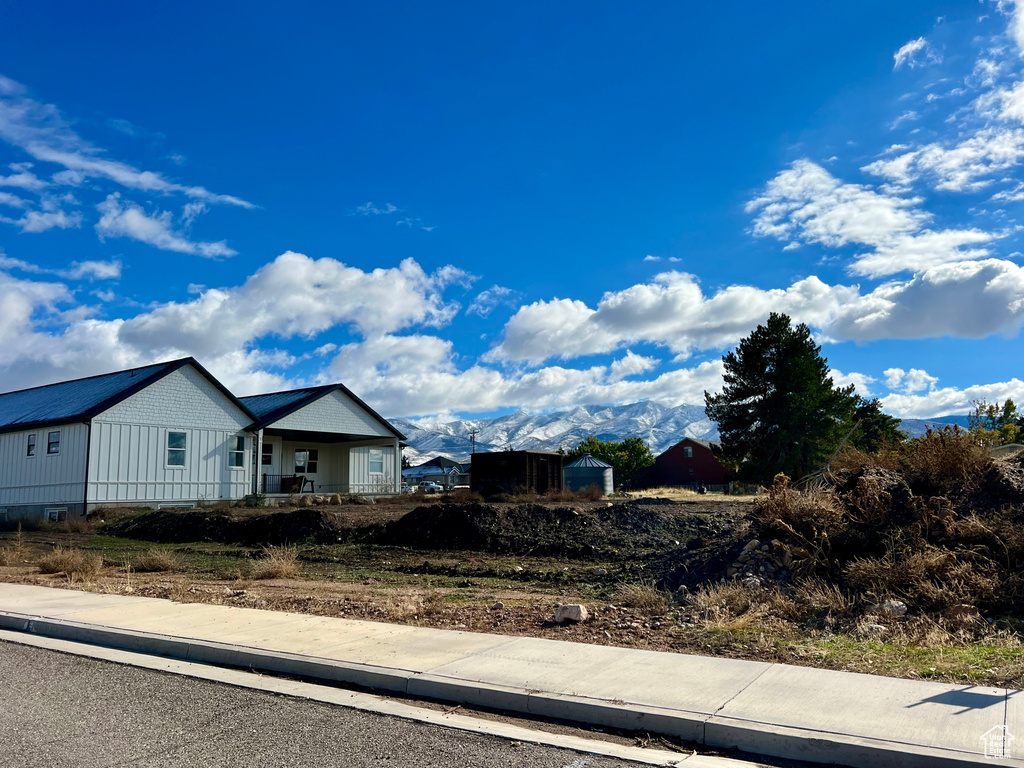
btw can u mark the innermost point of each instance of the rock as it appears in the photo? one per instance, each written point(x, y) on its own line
point(518, 569)
point(305, 501)
point(336, 499)
point(498, 606)
point(731, 571)
point(765, 548)
point(571, 614)
point(873, 629)
point(600, 572)
point(890, 608)
point(752, 581)
point(750, 545)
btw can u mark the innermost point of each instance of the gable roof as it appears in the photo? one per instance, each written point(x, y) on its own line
point(709, 444)
point(79, 400)
point(276, 405)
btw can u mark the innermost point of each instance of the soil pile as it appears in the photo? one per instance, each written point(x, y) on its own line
point(617, 531)
point(275, 529)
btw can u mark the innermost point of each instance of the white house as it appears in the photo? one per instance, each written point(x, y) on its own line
point(162, 435)
point(324, 439)
point(172, 435)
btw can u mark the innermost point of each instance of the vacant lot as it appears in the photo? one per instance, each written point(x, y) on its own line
point(655, 573)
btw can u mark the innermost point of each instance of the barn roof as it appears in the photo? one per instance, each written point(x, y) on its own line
point(81, 399)
point(586, 460)
point(276, 405)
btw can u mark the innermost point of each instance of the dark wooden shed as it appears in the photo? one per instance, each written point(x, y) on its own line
point(516, 472)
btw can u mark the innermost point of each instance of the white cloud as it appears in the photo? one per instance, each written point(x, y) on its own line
point(648, 257)
point(631, 365)
point(913, 52)
point(909, 382)
point(77, 270)
point(41, 131)
point(292, 296)
point(488, 300)
point(951, 400)
point(972, 299)
point(370, 209)
point(861, 382)
point(965, 167)
point(127, 219)
point(806, 203)
point(23, 178)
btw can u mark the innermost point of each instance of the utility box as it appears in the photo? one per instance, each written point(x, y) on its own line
point(516, 472)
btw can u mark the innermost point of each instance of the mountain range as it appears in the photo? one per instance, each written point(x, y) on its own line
point(659, 426)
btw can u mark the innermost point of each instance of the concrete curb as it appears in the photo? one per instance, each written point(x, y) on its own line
point(709, 729)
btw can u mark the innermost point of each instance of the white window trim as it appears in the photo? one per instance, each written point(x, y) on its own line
point(369, 454)
point(295, 463)
point(48, 433)
point(231, 450)
point(167, 449)
point(47, 511)
point(265, 453)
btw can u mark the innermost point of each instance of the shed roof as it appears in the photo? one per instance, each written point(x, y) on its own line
point(81, 399)
point(276, 405)
point(586, 460)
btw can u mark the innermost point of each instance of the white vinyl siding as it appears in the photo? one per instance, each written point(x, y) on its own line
point(361, 477)
point(42, 479)
point(129, 451)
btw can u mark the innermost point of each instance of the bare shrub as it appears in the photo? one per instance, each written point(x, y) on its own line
point(277, 563)
point(73, 563)
point(17, 552)
point(645, 598)
point(158, 560)
point(404, 608)
point(463, 496)
point(734, 605)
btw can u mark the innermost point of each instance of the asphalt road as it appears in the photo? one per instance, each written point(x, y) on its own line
point(61, 710)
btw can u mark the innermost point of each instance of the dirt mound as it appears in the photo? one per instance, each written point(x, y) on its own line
point(618, 530)
point(278, 528)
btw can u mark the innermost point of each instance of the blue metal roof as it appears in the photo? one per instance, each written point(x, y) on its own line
point(77, 400)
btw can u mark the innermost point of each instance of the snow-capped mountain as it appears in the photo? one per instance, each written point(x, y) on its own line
point(660, 427)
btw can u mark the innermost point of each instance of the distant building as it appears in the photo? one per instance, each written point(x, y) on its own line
point(690, 462)
point(441, 470)
point(516, 472)
point(587, 471)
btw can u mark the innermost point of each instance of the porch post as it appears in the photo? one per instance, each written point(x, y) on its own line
point(398, 466)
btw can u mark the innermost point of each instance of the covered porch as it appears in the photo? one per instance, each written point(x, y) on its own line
point(304, 461)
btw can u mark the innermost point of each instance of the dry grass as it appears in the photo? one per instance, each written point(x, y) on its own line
point(404, 608)
point(684, 494)
point(73, 563)
point(156, 560)
point(17, 552)
point(643, 598)
point(277, 563)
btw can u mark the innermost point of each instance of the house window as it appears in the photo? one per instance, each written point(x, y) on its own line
point(691, 470)
point(305, 460)
point(376, 461)
point(236, 452)
point(268, 454)
point(176, 443)
point(30, 449)
point(55, 514)
point(688, 452)
point(53, 443)
point(3, 515)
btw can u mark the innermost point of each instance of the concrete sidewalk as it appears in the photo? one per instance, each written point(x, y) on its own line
point(770, 709)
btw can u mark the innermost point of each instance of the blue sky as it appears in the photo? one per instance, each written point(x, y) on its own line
point(466, 209)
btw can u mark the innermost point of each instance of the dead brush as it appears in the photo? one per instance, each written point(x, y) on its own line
point(157, 560)
point(947, 462)
point(73, 563)
point(277, 563)
point(404, 608)
point(646, 599)
point(17, 552)
point(732, 606)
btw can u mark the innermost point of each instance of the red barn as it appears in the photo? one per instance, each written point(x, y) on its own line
point(690, 462)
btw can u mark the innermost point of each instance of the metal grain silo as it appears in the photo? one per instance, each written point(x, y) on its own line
point(587, 471)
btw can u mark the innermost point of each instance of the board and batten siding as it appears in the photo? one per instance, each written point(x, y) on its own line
point(43, 478)
point(360, 478)
point(128, 453)
point(334, 412)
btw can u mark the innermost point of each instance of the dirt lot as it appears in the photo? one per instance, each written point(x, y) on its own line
point(649, 570)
